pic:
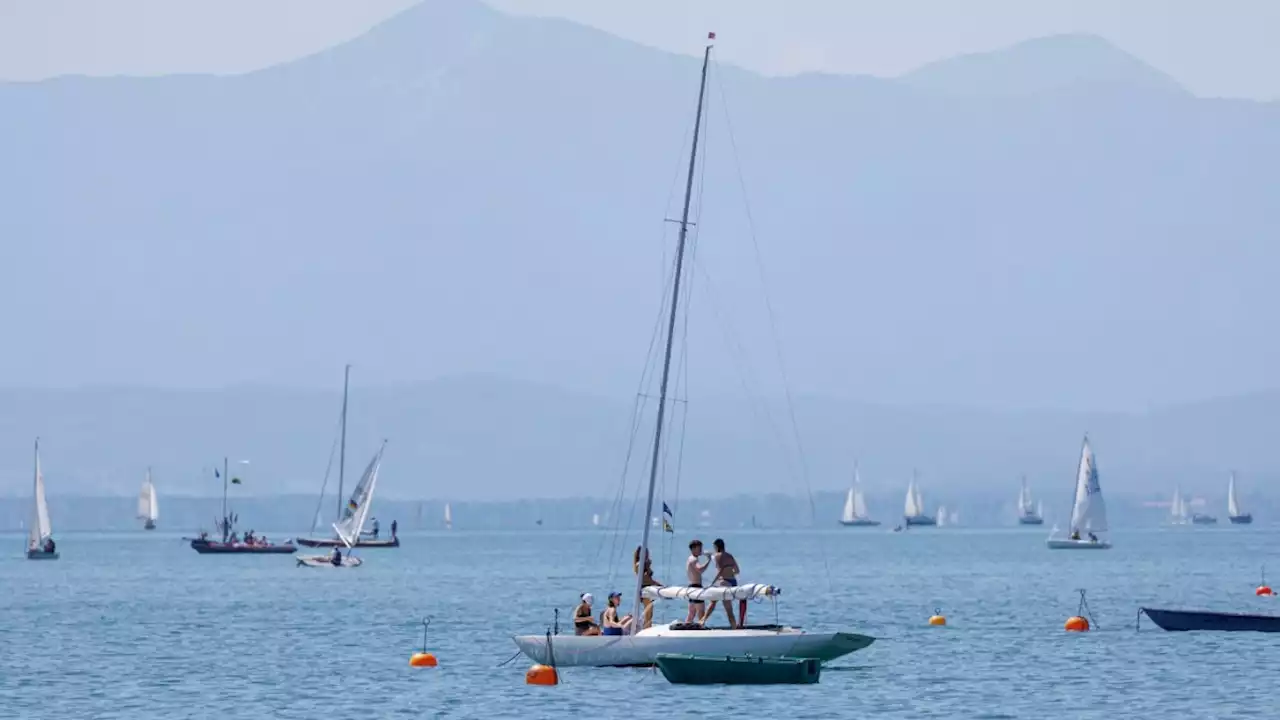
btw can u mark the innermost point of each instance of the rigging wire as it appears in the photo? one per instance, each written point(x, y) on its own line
point(773, 325)
point(333, 450)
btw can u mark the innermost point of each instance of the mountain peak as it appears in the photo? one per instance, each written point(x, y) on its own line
point(1042, 65)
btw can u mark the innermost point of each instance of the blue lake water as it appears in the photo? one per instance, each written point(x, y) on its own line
point(139, 626)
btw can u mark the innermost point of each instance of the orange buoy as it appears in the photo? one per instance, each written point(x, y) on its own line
point(541, 675)
point(423, 659)
point(1263, 590)
point(1075, 623)
point(937, 619)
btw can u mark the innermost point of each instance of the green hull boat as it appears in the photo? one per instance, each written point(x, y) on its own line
point(741, 670)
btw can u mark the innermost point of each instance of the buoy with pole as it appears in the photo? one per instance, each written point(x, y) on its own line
point(937, 618)
point(544, 674)
point(424, 658)
point(1263, 590)
point(1080, 621)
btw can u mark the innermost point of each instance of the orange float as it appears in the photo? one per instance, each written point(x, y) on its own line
point(542, 675)
point(423, 659)
point(1075, 623)
point(1263, 590)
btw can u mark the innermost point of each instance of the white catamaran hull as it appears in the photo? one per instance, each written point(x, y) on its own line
point(642, 649)
point(1068, 544)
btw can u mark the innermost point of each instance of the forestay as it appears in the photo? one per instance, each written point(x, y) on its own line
point(1090, 511)
point(357, 510)
point(750, 591)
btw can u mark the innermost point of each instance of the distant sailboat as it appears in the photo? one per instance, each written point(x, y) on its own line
point(448, 517)
point(1088, 509)
point(913, 509)
point(1234, 513)
point(1027, 514)
point(40, 545)
point(148, 508)
point(595, 520)
point(1178, 509)
point(941, 517)
point(855, 506)
point(350, 527)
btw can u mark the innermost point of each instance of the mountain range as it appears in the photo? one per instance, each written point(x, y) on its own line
point(1055, 225)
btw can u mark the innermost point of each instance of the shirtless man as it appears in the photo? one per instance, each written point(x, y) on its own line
point(694, 567)
point(727, 571)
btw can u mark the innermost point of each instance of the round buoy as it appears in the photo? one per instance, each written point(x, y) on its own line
point(541, 675)
point(937, 620)
point(423, 659)
point(1077, 624)
point(1263, 590)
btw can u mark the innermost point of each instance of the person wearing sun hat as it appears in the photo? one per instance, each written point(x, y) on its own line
point(583, 623)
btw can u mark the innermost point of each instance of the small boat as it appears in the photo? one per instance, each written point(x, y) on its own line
point(1184, 620)
point(740, 670)
point(1027, 513)
point(913, 508)
point(1234, 514)
point(230, 544)
point(348, 560)
point(148, 508)
point(1088, 509)
point(40, 545)
point(855, 506)
point(1203, 519)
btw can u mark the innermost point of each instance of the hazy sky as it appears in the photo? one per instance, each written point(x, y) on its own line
point(1224, 48)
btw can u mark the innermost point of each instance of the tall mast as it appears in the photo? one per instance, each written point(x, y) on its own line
point(35, 495)
point(226, 520)
point(342, 446)
point(671, 334)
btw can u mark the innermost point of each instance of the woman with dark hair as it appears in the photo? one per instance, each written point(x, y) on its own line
point(645, 581)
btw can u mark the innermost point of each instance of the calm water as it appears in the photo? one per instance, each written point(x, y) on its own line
point(138, 626)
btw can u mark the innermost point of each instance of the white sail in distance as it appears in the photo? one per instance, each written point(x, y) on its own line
point(148, 508)
point(1089, 511)
point(1233, 504)
point(41, 528)
point(912, 506)
point(357, 510)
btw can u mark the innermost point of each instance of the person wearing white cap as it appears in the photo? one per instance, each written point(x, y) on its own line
point(583, 623)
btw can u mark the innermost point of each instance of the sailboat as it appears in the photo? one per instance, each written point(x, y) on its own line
point(1027, 515)
point(855, 506)
point(148, 509)
point(364, 540)
point(1178, 509)
point(941, 516)
point(349, 527)
point(230, 543)
point(1198, 518)
point(913, 509)
point(448, 517)
point(1234, 513)
point(595, 520)
point(40, 545)
point(1088, 509)
point(641, 646)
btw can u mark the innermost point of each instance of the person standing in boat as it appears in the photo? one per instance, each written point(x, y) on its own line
point(375, 528)
point(393, 529)
point(646, 581)
point(694, 567)
point(50, 545)
point(336, 558)
point(727, 572)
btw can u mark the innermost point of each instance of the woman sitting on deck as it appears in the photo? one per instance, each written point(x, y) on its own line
point(583, 623)
point(609, 620)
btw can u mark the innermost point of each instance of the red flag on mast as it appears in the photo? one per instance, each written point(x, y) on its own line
point(711, 36)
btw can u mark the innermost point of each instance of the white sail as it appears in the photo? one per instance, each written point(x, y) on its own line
point(1089, 512)
point(849, 514)
point(1177, 509)
point(749, 591)
point(942, 515)
point(912, 507)
point(147, 506)
point(595, 520)
point(448, 516)
point(1024, 498)
point(1040, 508)
point(1233, 505)
point(860, 504)
point(357, 510)
point(41, 528)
